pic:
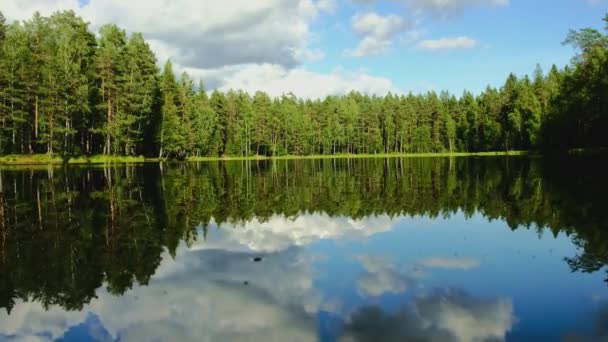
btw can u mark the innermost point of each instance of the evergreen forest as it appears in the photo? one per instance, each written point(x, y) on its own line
point(68, 91)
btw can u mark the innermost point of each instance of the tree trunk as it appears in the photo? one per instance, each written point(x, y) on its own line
point(36, 117)
point(109, 120)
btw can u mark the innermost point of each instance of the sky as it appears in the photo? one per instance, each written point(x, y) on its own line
point(315, 48)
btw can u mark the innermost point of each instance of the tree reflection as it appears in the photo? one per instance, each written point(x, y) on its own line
point(65, 232)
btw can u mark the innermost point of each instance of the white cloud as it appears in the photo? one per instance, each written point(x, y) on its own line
point(279, 233)
point(201, 296)
point(443, 8)
point(413, 36)
point(468, 319)
point(450, 263)
point(450, 8)
point(223, 39)
point(363, 2)
point(201, 293)
point(328, 6)
point(201, 33)
point(381, 277)
point(451, 316)
point(276, 80)
point(211, 34)
point(24, 9)
point(455, 43)
point(237, 44)
point(376, 32)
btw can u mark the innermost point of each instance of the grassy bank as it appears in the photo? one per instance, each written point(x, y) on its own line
point(47, 159)
point(30, 159)
point(103, 159)
point(379, 155)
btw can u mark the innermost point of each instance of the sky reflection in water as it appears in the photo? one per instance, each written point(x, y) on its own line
point(321, 277)
point(371, 279)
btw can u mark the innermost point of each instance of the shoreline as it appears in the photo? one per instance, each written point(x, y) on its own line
point(45, 159)
point(369, 156)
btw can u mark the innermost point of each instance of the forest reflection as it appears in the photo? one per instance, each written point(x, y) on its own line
point(65, 232)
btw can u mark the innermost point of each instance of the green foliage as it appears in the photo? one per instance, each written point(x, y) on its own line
point(64, 91)
point(172, 139)
point(29, 159)
point(579, 115)
point(68, 231)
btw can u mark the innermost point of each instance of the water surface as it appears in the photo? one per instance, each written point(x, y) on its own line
point(424, 249)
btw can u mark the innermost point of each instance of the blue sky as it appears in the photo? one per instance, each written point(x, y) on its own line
point(319, 47)
point(511, 38)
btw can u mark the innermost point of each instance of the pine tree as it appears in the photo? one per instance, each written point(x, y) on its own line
point(63, 91)
point(142, 92)
point(111, 67)
point(261, 107)
point(217, 103)
point(75, 62)
point(171, 138)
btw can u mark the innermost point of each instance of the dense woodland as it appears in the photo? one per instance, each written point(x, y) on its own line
point(68, 91)
point(65, 232)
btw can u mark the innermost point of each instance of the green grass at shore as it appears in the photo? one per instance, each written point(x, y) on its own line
point(30, 159)
point(46, 159)
point(361, 156)
point(103, 159)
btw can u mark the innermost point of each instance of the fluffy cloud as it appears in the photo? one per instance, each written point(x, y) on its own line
point(201, 34)
point(450, 8)
point(201, 293)
point(214, 291)
point(443, 316)
point(23, 9)
point(211, 34)
point(277, 80)
point(328, 6)
point(456, 43)
point(201, 296)
point(280, 233)
point(231, 44)
point(442, 8)
point(376, 32)
point(381, 277)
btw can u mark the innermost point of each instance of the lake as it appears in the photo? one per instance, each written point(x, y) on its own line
point(424, 249)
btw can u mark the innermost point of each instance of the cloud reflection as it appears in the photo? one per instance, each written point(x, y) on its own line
point(215, 291)
point(442, 316)
point(381, 276)
point(204, 297)
point(280, 232)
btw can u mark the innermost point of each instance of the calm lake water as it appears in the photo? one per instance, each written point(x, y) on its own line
point(424, 249)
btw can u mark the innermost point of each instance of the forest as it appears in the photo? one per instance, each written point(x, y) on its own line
point(67, 91)
point(66, 231)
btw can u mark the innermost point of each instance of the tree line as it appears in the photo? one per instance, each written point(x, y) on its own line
point(64, 232)
point(67, 91)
